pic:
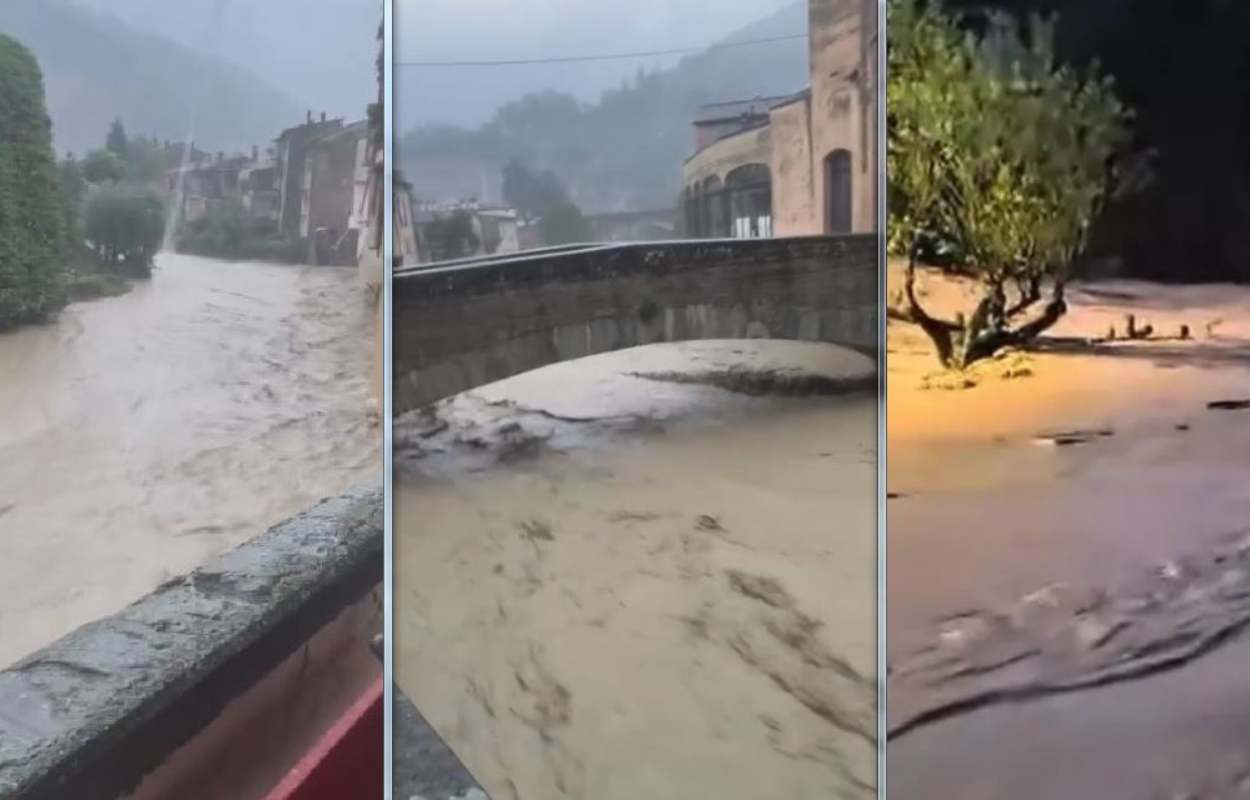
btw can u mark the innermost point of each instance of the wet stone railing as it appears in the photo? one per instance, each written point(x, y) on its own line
point(99, 712)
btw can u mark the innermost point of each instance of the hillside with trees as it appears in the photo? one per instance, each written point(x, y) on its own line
point(96, 69)
point(624, 152)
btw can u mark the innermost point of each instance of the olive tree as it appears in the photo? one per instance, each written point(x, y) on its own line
point(124, 227)
point(999, 159)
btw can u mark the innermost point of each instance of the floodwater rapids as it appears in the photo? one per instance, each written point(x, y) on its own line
point(147, 433)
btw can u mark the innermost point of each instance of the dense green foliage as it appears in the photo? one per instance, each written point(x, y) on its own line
point(117, 142)
point(124, 226)
point(999, 161)
point(624, 151)
point(563, 223)
point(226, 231)
point(73, 187)
point(31, 211)
point(103, 166)
point(532, 193)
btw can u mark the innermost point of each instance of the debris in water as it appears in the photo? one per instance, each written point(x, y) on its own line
point(1071, 437)
point(706, 522)
point(1228, 405)
point(536, 529)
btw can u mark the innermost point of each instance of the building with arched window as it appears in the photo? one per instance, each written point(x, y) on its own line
point(800, 164)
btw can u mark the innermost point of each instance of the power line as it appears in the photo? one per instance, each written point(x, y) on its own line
point(605, 57)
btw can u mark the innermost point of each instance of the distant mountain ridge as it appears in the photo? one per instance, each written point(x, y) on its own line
point(96, 69)
point(625, 152)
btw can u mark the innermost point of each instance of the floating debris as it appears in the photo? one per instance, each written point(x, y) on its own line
point(1064, 438)
point(1228, 405)
point(706, 522)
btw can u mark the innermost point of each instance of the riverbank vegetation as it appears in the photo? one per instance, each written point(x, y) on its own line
point(76, 230)
point(112, 221)
point(1000, 159)
point(227, 231)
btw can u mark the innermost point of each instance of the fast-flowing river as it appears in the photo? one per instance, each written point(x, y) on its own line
point(1069, 558)
point(144, 434)
point(611, 586)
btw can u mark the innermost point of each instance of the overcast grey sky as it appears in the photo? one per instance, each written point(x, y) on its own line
point(320, 52)
point(429, 30)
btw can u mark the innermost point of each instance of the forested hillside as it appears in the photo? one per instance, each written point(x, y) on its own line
point(624, 152)
point(96, 69)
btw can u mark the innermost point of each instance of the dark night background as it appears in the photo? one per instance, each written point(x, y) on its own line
point(1184, 67)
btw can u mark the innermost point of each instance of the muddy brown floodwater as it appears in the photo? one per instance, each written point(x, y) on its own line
point(146, 433)
point(609, 586)
point(1067, 613)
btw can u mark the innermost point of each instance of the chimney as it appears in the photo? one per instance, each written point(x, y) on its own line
point(323, 116)
point(308, 120)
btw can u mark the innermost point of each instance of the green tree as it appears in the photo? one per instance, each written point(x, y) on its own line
point(103, 166)
point(116, 142)
point(124, 226)
point(563, 223)
point(999, 159)
point(31, 211)
point(532, 193)
point(146, 159)
point(73, 187)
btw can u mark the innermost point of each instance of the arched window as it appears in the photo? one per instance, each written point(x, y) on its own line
point(715, 222)
point(690, 208)
point(838, 192)
point(750, 201)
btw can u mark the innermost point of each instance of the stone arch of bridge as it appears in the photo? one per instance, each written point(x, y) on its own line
point(460, 326)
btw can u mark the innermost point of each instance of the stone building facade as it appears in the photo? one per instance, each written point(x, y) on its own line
point(798, 165)
point(328, 218)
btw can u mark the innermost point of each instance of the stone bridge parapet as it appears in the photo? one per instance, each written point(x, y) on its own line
point(459, 325)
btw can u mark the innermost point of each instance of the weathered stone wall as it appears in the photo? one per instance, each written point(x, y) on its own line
point(183, 692)
point(843, 108)
point(838, 112)
point(796, 206)
point(462, 326)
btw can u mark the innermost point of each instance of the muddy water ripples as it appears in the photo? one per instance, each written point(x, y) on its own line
point(146, 433)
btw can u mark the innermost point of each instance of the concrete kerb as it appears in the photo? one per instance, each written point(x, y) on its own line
point(89, 715)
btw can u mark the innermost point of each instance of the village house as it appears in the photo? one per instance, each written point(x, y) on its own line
point(329, 220)
point(496, 228)
point(258, 185)
point(205, 182)
point(798, 165)
point(291, 151)
point(404, 241)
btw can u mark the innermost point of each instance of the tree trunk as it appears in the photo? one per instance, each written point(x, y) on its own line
point(940, 332)
point(990, 342)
